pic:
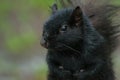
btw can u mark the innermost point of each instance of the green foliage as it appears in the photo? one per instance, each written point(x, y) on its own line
point(5, 6)
point(21, 42)
point(41, 73)
point(116, 2)
point(42, 3)
point(7, 67)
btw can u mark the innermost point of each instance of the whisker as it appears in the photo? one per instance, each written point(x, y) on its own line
point(71, 48)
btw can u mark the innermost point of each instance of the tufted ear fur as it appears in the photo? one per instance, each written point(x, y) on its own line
point(54, 8)
point(77, 16)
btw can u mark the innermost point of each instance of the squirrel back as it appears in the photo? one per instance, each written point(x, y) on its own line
point(101, 14)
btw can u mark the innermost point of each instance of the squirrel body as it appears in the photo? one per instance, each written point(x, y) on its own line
point(78, 45)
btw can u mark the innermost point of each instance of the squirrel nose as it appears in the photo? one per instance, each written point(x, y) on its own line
point(44, 43)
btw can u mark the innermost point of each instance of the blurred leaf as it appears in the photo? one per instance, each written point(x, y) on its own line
point(5, 6)
point(21, 42)
point(116, 2)
point(41, 73)
point(42, 3)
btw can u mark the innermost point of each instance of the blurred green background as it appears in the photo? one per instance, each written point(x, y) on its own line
point(21, 56)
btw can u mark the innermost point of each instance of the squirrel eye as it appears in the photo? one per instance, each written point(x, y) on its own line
point(63, 28)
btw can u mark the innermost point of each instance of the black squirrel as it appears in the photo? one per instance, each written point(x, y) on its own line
point(80, 41)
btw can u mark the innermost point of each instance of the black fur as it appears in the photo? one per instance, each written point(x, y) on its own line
point(79, 52)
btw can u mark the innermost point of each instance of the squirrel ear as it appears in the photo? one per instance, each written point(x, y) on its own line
point(54, 8)
point(77, 16)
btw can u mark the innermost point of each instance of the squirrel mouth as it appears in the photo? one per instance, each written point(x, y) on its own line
point(44, 43)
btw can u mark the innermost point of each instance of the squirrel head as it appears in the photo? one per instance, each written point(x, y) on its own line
point(63, 29)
